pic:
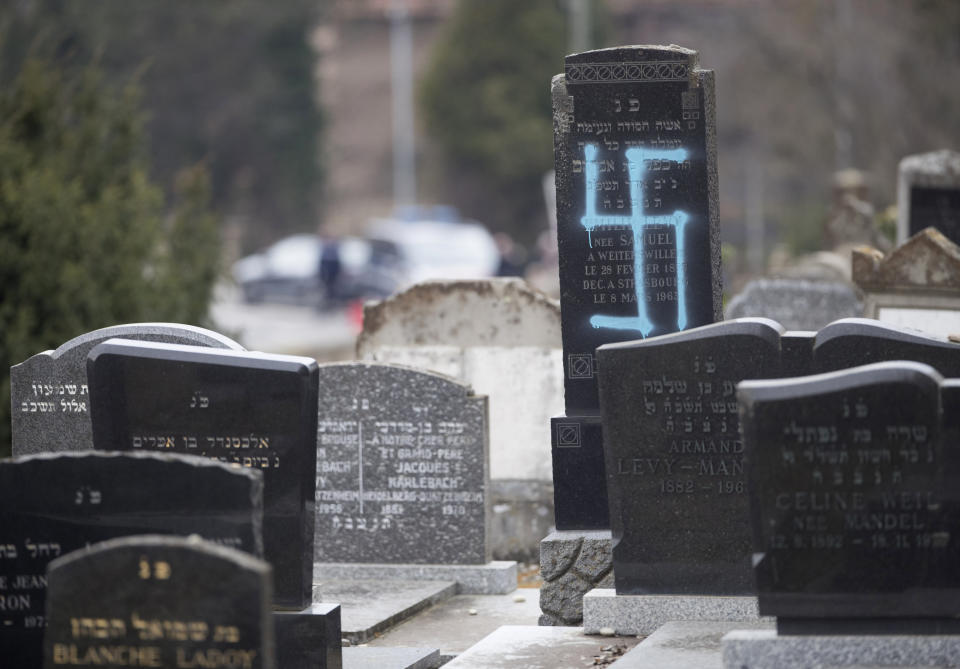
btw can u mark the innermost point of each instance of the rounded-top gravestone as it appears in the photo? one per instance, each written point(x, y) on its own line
point(49, 396)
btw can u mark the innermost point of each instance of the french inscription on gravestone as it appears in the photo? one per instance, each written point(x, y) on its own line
point(251, 409)
point(678, 503)
point(853, 500)
point(402, 467)
point(634, 147)
point(49, 397)
point(55, 503)
point(152, 601)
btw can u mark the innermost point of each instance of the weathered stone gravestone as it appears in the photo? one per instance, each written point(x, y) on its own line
point(639, 247)
point(928, 195)
point(49, 399)
point(916, 285)
point(153, 601)
point(52, 504)
point(481, 332)
point(855, 518)
point(797, 304)
point(251, 409)
point(672, 444)
point(402, 477)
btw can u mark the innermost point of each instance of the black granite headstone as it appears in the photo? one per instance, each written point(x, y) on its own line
point(309, 639)
point(678, 506)
point(854, 500)
point(579, 479)
point(52, 504)
point(637, 232)
point(152, 601)
point(852, 342)
point(672, 444)
point(634, 148)
point(935, 207)
point(49, 399)
point(402, 467)
point(252, 409)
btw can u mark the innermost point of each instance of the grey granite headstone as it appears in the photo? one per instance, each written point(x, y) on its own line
point(55, 503)
point(49, 397)
point(153, 601)
point(928, 194)
point(402, 467)
point(797, 304)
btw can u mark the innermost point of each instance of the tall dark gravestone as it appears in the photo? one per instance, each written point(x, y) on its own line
point(674, 456)
point(403, 467)
point(639, 253)
point(251, 409)
point(854, 500)
point(638, 235)
point(52, 504)
point(49, 394)
point(152, 601)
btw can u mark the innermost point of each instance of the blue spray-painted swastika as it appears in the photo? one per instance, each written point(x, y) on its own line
point(637, 221)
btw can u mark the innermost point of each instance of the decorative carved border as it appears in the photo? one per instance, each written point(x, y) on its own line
point(618, 73)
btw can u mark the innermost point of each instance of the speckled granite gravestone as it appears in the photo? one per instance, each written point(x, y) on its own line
point(402, 467)
point(49, 402)
point(55, 503)
point(797, 304)
point(152, 601)
point(639, 246)
point(251, 409)
point(673, 444)
point(855, 516)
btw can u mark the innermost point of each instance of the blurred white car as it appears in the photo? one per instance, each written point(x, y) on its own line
point(439, 250)
point(286, 271)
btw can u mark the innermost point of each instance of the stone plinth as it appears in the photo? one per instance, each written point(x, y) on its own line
point(759, 649)
point(493, 578)
point(572, 563)
point(644, 614)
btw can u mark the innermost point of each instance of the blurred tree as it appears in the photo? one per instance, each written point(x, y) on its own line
point(83, 240)
point(228, 83)
point(485, 100)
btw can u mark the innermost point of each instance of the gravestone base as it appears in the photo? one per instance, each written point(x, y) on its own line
point(572, 563)
point(368, 657)
point(492, 578)
point(691, 644)
point(371, 607)
point(644, 614)
point(308, 639)
point(513, 646)
point(754, 649)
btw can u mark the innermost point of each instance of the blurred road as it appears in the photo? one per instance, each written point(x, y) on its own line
point(284, 328)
